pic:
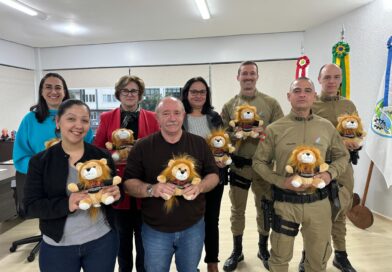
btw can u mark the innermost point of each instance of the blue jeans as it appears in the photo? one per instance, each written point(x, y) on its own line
point(96, 256)
point(159, 248)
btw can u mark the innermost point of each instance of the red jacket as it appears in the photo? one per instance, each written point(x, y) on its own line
point(110, 121)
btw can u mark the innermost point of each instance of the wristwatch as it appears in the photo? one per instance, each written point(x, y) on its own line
point(149, 190)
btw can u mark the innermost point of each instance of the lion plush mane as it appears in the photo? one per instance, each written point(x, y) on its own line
point(245, 122)
point(93, 176)
point(220, 145)
point(179, 171)
point(305, 162)
point(122, 141)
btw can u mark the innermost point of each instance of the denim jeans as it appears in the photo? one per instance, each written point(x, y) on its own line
point(96, 256)
point(186, 245)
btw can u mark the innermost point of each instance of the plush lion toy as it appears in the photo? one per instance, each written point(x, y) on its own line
point(350, 128)
point(245, 122)
point(305, 162)
point(122, 141)
point(220, 145)
point(179, 171)
point(51, 142)
point(93, 176)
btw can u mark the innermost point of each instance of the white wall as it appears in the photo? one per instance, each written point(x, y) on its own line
point(367, 31)
point(188, 51)
point(13, 54)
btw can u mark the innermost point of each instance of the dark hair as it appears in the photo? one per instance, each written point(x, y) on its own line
point(248, 62)
point(207, 107)
point(65, 106)
point(300, 79)
point(41, 108)
point(124, 81)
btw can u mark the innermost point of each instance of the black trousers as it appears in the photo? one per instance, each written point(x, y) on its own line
point(211, 218)
point(129, 224)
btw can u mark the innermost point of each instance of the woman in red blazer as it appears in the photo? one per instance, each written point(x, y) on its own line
point(129, 91)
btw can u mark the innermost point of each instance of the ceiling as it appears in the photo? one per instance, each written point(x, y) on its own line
point(109, 21)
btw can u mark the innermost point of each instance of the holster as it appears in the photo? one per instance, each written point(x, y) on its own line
point(280, 225)
point(241, 182)
point(333, 191)
point(268, 210)
point(240, 162)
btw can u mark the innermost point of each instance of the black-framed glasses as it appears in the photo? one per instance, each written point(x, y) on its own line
point(126, 92)
point(198, 92)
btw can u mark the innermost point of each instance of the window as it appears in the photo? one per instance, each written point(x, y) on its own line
point(151, 98)
point(173, 91)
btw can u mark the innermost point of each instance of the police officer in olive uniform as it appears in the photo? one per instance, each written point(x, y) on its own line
point(330, 106)
point(300, 206)
point(242, 177)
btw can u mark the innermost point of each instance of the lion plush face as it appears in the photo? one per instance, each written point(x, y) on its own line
point(246, 113)
point(218, 139)
point(122, 136)
point(350, 125)
point(181, 171)
point(305, 155)
point(93, 170)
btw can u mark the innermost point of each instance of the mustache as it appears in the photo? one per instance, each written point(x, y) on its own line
point(171, 123)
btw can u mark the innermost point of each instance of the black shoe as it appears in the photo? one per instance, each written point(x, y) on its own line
point(263, 253)
point(301, 266)
point(236, 256)
point(232, 262)
point(341, 262)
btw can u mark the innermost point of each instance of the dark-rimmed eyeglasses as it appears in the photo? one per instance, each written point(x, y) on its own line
point(198, 92)
point(126, 92)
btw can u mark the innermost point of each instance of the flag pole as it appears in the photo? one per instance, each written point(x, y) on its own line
point(369, 176)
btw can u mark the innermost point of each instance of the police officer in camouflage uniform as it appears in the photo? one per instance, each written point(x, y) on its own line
point(330, 106)
point(242, 176)
point(302, 206)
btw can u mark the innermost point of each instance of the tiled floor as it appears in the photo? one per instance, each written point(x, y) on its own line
point(370, 250)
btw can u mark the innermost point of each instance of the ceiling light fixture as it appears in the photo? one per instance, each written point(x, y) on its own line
point(203, 9)
point(20, 6)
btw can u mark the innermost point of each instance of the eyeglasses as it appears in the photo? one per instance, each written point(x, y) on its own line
point(126, 92)
point(198, 92)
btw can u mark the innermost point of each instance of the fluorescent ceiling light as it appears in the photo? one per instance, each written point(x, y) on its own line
point(70, 28)
point(203, 9)
point(20, 6)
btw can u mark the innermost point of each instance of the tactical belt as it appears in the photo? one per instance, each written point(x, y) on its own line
point(241, 182)
point(241, 161)
point(292, 197)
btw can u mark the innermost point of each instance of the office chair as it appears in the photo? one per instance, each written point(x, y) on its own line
point(20, 182)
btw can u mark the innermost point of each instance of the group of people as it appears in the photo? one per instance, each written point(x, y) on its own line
point(72, 240)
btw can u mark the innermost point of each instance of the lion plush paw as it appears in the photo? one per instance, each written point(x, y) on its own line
point(84, 205)
point(108, 200)
point(73, 187)
point(296, 183)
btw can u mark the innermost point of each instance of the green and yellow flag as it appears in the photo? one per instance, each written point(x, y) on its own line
point(341, 57)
